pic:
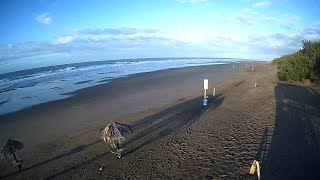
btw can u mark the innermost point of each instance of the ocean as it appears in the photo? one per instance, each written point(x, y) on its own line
point(26, 88)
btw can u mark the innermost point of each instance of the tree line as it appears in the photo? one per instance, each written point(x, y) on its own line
point(301, 65)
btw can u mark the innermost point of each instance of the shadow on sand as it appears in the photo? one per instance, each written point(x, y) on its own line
point(262, 153)
point(294, 149)
point(72, 151)
point(263, 148)
point(159, 125)
point(148, 129)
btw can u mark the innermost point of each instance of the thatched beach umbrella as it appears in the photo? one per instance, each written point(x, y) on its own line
point(113, 135)
point(10, 148)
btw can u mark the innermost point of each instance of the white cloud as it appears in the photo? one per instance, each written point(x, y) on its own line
point(262, 4)
point(252, 17)
point(107, 34)
point(114, 31)
point(191, 37)
point(193, 1)
point(258, 45)
point(285, 43)
point(44, 18)
point(65, 39)
point(115, 37)
point(289, 21)
point(135, 42)
point(237, 38)
point(11, 46)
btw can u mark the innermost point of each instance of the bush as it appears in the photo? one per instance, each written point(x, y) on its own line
point(304, 64)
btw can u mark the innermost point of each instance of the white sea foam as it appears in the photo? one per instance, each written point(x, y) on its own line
point(66, 69)
point(41, 81)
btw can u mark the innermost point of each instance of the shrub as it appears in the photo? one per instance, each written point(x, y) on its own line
point(304, 64)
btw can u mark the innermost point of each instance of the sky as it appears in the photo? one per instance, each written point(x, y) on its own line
point(57, 31)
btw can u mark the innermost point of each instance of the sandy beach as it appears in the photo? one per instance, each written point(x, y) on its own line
point(175, 137)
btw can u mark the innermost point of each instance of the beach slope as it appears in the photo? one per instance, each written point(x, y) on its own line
point(275, 123)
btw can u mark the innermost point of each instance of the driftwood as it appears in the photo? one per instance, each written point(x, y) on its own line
point(255, 167)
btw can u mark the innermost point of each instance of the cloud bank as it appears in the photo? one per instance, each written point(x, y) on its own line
point(130, 42)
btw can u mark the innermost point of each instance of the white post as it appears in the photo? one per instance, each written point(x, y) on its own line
point(255, 85)
point(233, 65)
point(214, 91)
point(246, 66)
point(205, 87)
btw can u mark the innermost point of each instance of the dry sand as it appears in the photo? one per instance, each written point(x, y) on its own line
point(275, 123)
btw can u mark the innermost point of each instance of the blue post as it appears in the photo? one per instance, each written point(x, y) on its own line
point(205, 101)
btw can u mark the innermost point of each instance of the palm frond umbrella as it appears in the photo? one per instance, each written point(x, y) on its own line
point(10, 148)
point(113, 135)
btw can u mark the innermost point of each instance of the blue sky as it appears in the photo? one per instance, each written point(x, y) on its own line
point(42, 31)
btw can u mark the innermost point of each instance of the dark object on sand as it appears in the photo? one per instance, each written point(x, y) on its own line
point(101, 169)
point(10, 148)
point(113, 135)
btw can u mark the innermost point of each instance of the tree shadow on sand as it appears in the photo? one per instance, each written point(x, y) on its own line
point(294, 150)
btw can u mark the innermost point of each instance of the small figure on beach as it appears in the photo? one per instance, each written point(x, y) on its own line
point(10, 148)
point(113, 135)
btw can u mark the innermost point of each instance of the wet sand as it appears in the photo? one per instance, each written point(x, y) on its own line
point(175, 137)
point(95, 105)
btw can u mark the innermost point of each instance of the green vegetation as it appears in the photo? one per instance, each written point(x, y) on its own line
point(301, 65)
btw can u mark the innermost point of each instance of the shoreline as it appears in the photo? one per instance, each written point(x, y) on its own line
point(81, 91)
point(107, 101)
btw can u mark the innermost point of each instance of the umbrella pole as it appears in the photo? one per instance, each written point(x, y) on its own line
point(15, 157)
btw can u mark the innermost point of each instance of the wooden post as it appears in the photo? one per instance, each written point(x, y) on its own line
point(233, 65)
point(255, 167)
point(214, 91)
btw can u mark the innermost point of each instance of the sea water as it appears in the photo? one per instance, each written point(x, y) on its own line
point(29, 87)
